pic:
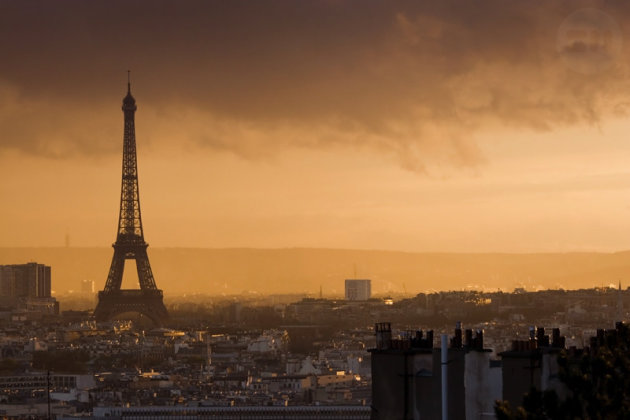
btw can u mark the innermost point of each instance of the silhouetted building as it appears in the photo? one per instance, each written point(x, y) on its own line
point(407, 376)
point(531, 364)
point(407, 379)
point(358, 289)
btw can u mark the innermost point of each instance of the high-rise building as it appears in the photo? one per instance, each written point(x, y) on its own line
point(358, 289)
point(7, 280)
point(27, 287)
point(87, 286)
point(25, 280)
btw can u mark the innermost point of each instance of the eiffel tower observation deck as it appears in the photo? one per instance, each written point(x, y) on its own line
point(130, 244)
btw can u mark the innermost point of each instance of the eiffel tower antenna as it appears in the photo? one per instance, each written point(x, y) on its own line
point(130, 244)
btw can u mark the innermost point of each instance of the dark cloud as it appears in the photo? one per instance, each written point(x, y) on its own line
point(415, 78)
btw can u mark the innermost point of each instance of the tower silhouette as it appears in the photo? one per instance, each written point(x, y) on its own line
point(130, 244)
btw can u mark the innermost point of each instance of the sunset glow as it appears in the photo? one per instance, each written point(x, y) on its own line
point(410, 126)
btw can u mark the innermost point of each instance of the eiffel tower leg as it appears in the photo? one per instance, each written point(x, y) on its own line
point(114, 281)
point(145, 275)
point(116, 270)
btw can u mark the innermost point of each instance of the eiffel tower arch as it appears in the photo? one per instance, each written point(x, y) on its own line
point(130, 244)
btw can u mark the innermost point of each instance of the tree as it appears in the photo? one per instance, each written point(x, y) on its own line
point(11, 366)
point(597, 380)
point(64, 361)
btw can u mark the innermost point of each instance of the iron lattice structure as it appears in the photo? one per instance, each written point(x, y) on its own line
point(130, 244)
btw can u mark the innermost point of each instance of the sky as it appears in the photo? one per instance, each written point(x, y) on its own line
point(452, 126)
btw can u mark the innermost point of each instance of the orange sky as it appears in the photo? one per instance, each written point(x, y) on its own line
point(418, 126)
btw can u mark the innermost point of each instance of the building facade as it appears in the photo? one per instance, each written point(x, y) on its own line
point(87, 286)
point(26, 288)
point(29, 280)
point(407, 373)
point(358, 289)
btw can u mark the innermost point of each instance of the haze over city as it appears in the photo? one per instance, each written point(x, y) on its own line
point(403, 126)
point(353, 209)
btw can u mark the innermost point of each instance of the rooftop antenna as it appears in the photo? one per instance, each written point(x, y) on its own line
point(128, 81)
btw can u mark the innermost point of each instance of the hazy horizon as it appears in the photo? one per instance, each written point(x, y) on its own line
point(408, 126)
point(282, 248)
point(299, 270)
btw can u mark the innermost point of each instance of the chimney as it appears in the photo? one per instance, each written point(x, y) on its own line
point(383, 332)
point(430, 339)
point(601, 334)
point(543, 340)
point(456, 342)
point(444, 362)
point(479, 340)
point(468, 338)
point(557, 341)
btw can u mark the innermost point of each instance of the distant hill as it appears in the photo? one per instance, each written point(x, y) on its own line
point(303, 270)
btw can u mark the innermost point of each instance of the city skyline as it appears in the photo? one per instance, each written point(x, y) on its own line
point(401, 126)
point(356, 209)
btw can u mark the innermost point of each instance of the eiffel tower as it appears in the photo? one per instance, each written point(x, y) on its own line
point(130, 244)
